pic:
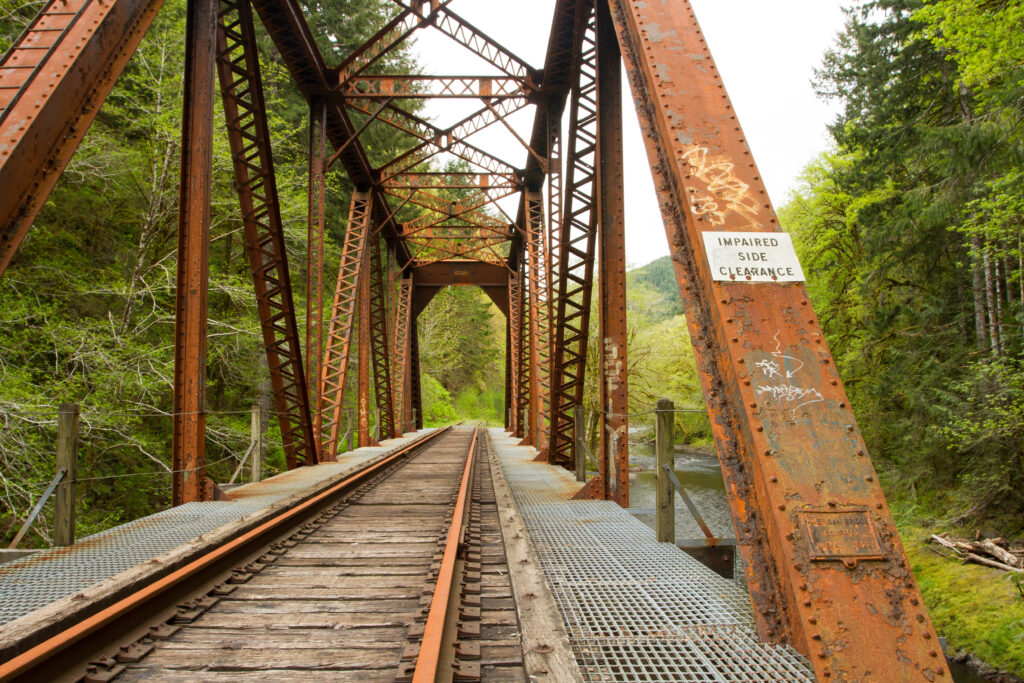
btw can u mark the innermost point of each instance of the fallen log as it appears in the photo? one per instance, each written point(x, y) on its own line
point(986, 552)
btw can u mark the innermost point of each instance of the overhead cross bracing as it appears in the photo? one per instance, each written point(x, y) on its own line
point(540, 230)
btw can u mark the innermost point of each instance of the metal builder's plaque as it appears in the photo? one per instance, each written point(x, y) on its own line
point(841, 535)
point(752, 257)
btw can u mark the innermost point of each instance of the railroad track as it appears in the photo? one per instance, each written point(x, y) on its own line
point(397, 573)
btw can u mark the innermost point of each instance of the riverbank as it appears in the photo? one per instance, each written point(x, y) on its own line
point(977, 610)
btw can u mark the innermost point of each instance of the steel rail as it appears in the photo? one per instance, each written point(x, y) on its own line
point(32, 658)
point(433, 632)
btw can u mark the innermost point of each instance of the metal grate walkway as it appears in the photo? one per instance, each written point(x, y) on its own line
point(636, 609)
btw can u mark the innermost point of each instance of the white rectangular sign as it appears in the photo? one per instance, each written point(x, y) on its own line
point(752, 257)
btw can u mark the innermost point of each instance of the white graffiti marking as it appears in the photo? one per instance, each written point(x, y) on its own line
point(769, 367)
point(786, 392)
point(717, 173)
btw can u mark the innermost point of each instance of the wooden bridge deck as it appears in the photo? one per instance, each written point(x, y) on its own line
point(548, 588)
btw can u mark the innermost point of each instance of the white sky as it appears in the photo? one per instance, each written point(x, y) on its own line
point(766, 52)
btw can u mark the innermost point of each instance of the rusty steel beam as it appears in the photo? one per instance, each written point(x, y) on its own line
point(479, 43)
point(334, 369)
point(316, 219)
point(415, 401)
point(188, 438)
point(539, 302)
point(379, 348)
point(400, 376)
point(515, 356)
point(523, 404)
point(614, 336)
point(290, 33)
point(52, 83)
point(414, 86)
point(826, 569)
point(363, 344)
point(453, 272)
point(249, 138)
point(578, 237)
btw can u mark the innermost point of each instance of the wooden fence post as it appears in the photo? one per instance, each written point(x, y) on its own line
point(67, 458)
point(256, 438)
point(665, 512)
point(579, 427)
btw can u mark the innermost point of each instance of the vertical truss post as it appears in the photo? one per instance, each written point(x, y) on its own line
point(515, 364)
point(249, 138)
point(400, 379)
point(507, 405)
point(540, 320)
point(334, 369)
point(415, 394)
point(577, 241)
point(379, 348)
point(315, 245)
point(612, 260)
point(523, 356)
point(826, 569)
point(188, 440)
point(364, 293)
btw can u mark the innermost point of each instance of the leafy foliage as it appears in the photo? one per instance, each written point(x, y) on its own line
point(909, 230)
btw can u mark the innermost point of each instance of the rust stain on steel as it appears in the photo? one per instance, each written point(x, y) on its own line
point(189, 420)
point(59, 98)
point(377, 322)
point(249, 138)
point(787, 439)
point(611, 228)
point(334, 368)
point(576, 243)
point(363, 352)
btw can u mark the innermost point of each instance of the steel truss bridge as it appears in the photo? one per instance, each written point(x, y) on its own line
point(808, 510)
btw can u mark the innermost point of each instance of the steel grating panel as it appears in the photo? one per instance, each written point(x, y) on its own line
point(636, 609)
point(36, 581)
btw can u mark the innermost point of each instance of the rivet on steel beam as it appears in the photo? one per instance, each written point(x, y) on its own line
point(920, 618)
point(782, 506)
point(789, 536)
point(815, 636)
point(869, 478)
point(740, 361)
point(768, 452)
point(804, 302)
point(860, 451)
point(927, 636)
point(842, 404)
point(878, 506)
point(735, 340)
point(773, 479)
point(933, 653)
point(728, 320)
point(849, 428)
point(803, 587)
point(913, 601)
point(746, 382)
point(753, 405)
point(812, 620)
point(834, 382)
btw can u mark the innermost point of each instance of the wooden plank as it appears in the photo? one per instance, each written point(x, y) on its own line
point(548, 655)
